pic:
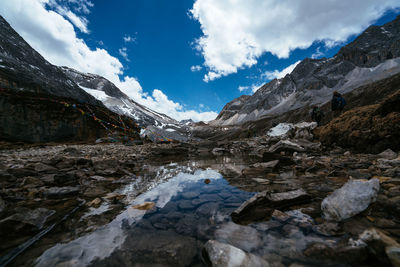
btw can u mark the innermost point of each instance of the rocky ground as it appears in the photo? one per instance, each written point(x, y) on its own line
point(293, 173)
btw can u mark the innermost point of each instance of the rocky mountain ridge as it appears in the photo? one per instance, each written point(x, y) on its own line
point(372, 56)
point(114, 99)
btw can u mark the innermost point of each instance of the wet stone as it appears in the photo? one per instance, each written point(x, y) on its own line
point(186, 205)
point(60, 192)
point(224, 194)
point(207, 209)
point(190, 195)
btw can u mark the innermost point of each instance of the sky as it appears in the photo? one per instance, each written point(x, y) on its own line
point(188, 58)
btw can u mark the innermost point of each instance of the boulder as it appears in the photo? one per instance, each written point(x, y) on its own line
point(387, 154)
point(302, 130)
point(263, 204)
point(349, 200)
point(224, 255)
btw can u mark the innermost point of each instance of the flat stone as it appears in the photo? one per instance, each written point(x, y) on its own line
point(60, 192)
point(262, 205)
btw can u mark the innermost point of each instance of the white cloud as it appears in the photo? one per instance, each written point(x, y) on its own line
point(237, 33)
point(243, 88)
point(196, 68)
point(54, 37)
point(317, 53)
point(201, 105)
point(159, 102)
point(129, 39)
point(124, 53)
point(270, 75)
point(79, 6)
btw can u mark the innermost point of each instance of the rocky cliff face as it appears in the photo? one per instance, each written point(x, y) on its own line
point(33, 117)
point(371, 128)
point(372, 56)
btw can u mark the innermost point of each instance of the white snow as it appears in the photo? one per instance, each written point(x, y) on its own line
point(280, 129)
point(99, 95)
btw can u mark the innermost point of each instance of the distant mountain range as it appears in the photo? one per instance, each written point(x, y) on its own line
point(372, 56)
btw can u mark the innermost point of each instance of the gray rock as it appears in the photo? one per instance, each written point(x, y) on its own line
point(40, 167)
point(286, 145)
point(243, 237)
point(261, 205)
point(60, 192)
point(388, 154)
point(2, 205)
point(349, 200)
point(224, 255)
point(207, 209)
point(269, 164)
point(27, 218)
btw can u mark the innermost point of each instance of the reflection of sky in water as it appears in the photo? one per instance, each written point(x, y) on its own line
point(102, 242)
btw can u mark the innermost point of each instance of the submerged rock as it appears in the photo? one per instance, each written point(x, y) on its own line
point(224, 255)
point(26, 219)
point(263, 204)
point(349, 200)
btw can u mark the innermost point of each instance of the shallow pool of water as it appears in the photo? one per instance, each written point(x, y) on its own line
point(184, 211)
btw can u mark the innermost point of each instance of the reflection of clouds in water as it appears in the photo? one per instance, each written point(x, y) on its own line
point(101, 243)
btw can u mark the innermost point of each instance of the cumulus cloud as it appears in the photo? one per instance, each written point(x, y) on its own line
point(124, 53)
point(159, 102)
point(270, 75)
point(236, 33)
point(54, 37)
point(196, 68)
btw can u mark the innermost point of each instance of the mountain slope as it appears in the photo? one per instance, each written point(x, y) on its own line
point(156, 124)
point(372, 56)
point(22, 68)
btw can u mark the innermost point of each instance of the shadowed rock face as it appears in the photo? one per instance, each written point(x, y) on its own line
point(314, 80)
point(30, 117)
point(372, 128)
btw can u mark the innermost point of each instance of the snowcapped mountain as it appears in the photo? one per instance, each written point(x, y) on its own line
point(153, 123)
point(373, 56)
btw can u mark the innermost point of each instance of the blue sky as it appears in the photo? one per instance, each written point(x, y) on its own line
point(189, 58)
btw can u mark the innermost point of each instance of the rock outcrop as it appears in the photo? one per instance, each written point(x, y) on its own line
point(371, 128)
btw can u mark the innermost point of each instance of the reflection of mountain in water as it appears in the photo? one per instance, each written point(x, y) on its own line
point(186, 210)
